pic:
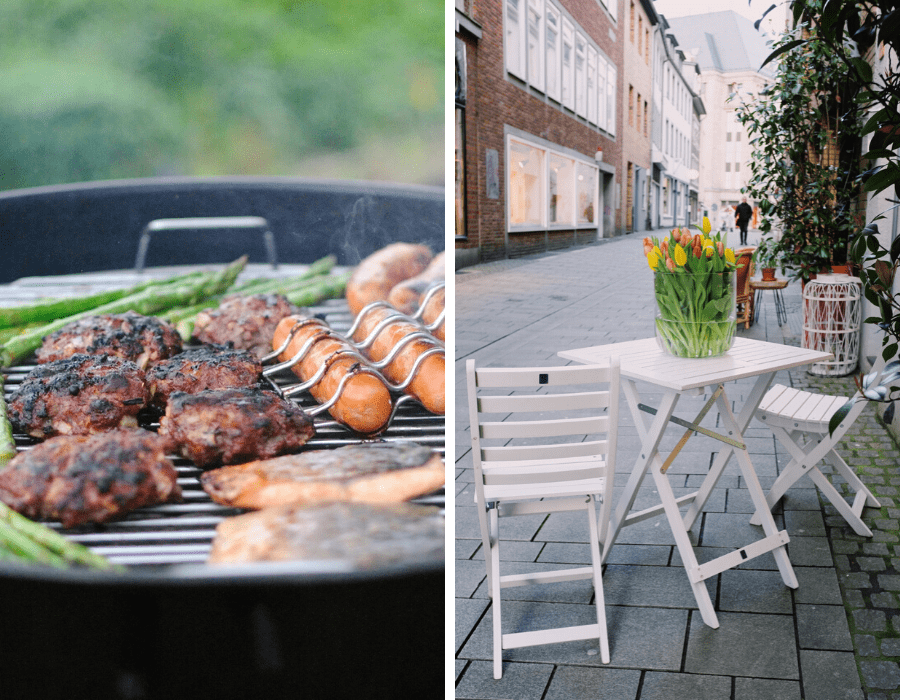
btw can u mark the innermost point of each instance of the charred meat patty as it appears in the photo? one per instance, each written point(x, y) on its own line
point(79, 395)
point(208, 367)
point(227, 426)
point(90, 478)
point(244, 322)
point(365, 535)
point(143, 340)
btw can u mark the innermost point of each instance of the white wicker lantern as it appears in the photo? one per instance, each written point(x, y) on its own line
point(832, 312)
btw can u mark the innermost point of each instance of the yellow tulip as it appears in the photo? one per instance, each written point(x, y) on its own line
point(680, 255)
point(707, 226)
point(729, 255)
point(653, 260)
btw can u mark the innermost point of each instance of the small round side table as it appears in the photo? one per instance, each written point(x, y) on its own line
point(757, 287)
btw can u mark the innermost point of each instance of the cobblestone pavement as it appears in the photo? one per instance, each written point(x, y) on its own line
point(836, 636)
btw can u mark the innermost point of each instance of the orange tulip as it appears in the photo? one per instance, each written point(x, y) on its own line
point(670, 264)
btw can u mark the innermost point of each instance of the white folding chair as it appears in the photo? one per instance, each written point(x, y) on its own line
point(550, 446)
point(799, 420)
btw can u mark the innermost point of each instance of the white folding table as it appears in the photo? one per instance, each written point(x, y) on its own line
point(642, 360)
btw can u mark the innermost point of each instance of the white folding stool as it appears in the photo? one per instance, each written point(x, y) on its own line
point(799, 420)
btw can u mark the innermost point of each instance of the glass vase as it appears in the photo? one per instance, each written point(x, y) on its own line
point(695, 312)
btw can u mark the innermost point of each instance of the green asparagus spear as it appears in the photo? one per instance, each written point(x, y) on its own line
point(146, 302)
point(52, 309)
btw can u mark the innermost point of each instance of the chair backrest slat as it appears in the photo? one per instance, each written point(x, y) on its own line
point(545, 428)
point(521, 377)
point(543, 402)
point(568, 450)
point(544, 472)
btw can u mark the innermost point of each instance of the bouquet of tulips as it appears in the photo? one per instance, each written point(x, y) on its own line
point(695, 295)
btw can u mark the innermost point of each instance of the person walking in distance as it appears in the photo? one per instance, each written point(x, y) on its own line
point(743, 212)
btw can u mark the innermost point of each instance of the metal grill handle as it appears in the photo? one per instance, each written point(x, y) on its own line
point(206, 222)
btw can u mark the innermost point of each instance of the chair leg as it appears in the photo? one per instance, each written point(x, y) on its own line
point(598, 581)
point(494, 566)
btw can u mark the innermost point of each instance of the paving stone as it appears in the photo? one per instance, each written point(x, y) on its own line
point(765, 689)
point(844, 547)
point(469, 575)
point(889, 582)
point(823, 627)
point(883, 600)
point(818, 586)
point(639, 555)
point(804, 523)
point(880, 674)
point(869, 620)
point(874, 548)
point(630, 644)
point(890, 646)
point(830, 675)
point(744, 645)
point(871, 563)
point(658, 586)
point(468, 612)
point(866, 645)
point(665, 686)
point(600, 683)
point(859, 579)
point(520, 681)
point(754, 591)
point(810, 551)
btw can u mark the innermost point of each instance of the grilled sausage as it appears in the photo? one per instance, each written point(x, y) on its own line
point(374, 277)
point(427, 386)
point(432, 311)
point(365, 402)
point(405, 296)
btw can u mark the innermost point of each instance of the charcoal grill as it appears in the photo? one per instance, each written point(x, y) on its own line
point(170, 621)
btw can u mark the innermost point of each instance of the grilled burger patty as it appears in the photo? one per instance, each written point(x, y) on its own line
point(244, 322)
point(79, 395)
point(370, 472)
point(226, 426)
point(208, 367)
point(366, 535)
point(90, 478)
point(142, 339)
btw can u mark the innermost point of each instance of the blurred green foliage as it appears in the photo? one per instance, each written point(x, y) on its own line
point(98, 89)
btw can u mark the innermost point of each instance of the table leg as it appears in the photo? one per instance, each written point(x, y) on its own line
point(773, 536)
point(651, 434)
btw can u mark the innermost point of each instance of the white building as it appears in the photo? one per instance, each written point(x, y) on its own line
point(729, 51)
point(677, 110)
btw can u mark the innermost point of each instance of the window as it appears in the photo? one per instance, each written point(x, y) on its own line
point(637, 118)
point(553, 40)
point(515, 46)
point(592, 85)
point(647, 46)
point(630, 105)
point(561, 201)
point(611, 99)
point(665, 196)
point(737, 167)
point(548, 188)
point(460, 171)
point(568, 67)
point(586, 192)
point(601, 91)
point(631, 21)
point(526, 174)
point(646, 120)
point(728, 136)
point(640, 35)
point(727, 167)
point(536, 43)
point(580, 75)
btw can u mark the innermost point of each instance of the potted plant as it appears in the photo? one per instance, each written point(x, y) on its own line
point(768, 258)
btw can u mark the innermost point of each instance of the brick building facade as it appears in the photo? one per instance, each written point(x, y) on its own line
point(538, 125)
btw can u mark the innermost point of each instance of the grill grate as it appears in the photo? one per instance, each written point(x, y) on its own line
point(160, 537)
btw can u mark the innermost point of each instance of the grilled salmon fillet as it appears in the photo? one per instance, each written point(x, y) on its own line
point(365, 535)
point(370, 472)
